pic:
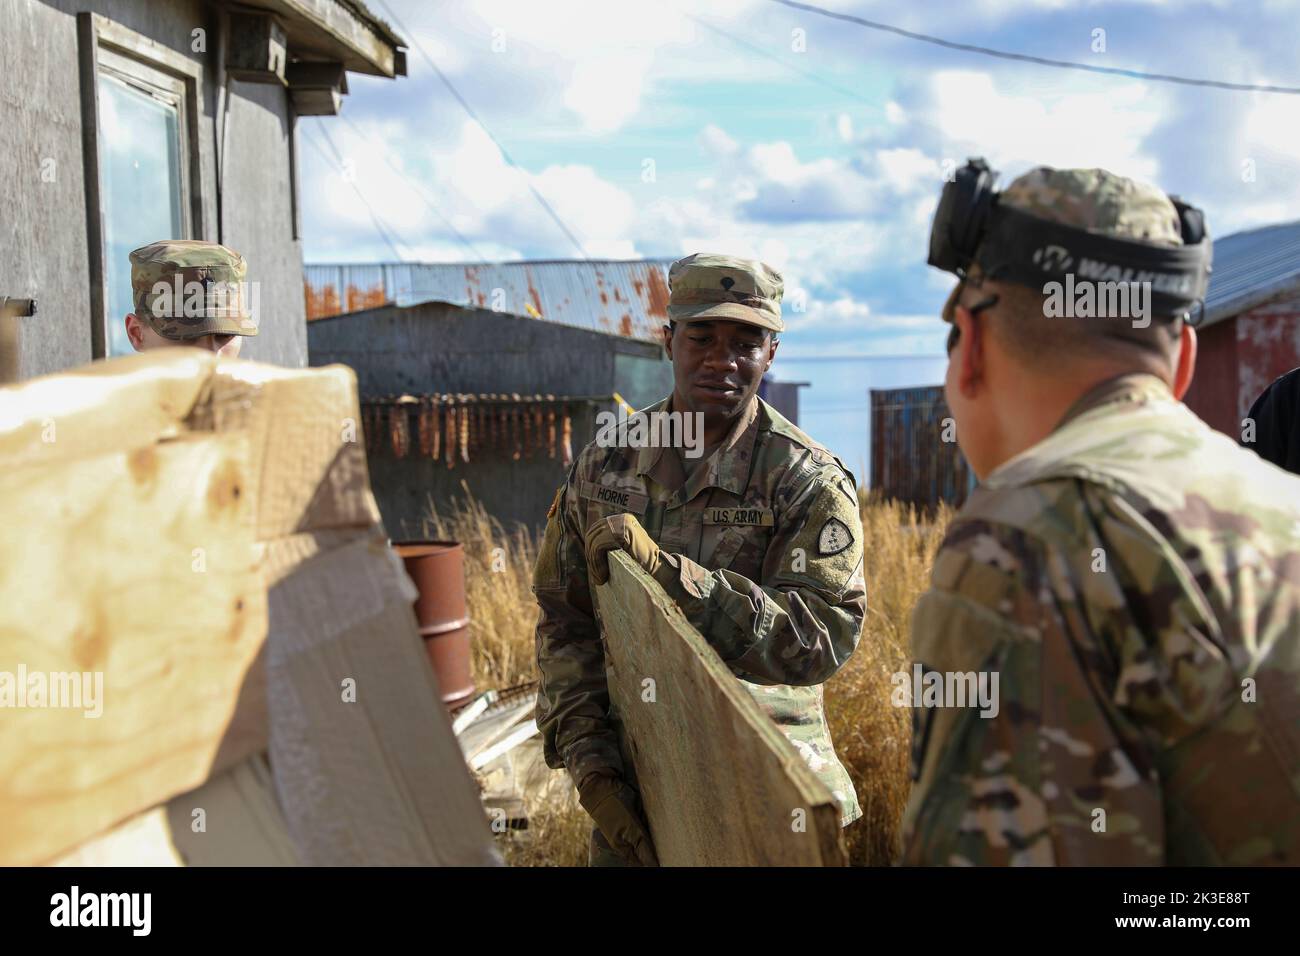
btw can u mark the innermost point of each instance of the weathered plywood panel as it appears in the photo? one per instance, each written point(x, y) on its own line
point(197, 538)
point(132, 573)
point(720, 783)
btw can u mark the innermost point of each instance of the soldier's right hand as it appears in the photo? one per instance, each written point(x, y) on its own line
point(615, 808)
point(621, 532)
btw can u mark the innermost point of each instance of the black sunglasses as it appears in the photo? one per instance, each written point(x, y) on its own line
point(955, 332)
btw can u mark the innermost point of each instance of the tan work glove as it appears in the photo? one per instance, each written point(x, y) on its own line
point(615, 808)
point(619, 533)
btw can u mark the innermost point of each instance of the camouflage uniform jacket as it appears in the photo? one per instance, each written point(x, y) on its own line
point(782, 622)
point(1134, 580)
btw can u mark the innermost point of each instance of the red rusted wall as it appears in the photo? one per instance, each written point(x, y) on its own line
point(1239, 357)
point(1213, 395)
point(1268, 344)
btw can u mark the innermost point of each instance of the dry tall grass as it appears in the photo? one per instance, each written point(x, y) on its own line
point(498, 590)
point(871, 736)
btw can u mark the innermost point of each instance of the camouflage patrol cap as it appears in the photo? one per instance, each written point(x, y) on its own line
point(184, 288)
point(707, 286)
point(1098, 201)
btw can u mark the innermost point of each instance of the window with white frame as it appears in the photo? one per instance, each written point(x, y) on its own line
point(144, 158)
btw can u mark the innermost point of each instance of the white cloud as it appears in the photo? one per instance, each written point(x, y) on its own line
point(716, 142)
point(821, 313)
point(908, 168)
point(596, 210)
point(606, 91)
point(1269, 167)
point(776, 186)
point(607, 51)
point(470, 184)
point(1107, 128)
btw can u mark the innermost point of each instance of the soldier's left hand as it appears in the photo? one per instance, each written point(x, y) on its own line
point(619, 533)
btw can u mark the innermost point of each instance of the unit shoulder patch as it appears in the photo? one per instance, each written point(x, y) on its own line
point(834, 537)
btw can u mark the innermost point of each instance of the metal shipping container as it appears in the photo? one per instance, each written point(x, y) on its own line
point(910, 459)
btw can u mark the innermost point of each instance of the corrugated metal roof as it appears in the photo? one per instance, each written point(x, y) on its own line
point(1252, 267)
point(621, 297)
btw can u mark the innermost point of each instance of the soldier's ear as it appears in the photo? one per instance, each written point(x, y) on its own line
point(968, 350)
point(135, 331)
point(1185, 364)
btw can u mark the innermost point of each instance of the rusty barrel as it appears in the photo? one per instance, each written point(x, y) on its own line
point(438, 570)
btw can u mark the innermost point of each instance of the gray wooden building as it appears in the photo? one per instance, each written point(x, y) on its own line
point(127, 121)
point(563, 340)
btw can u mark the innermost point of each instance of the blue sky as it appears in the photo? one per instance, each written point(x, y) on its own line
point(821, 151)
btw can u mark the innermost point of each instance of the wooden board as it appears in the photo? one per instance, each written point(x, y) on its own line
point(201, 535)
point(131, 568)
point(721, 784)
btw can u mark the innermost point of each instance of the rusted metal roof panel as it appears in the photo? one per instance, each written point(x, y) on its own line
point(910, 460)
point(628, 298)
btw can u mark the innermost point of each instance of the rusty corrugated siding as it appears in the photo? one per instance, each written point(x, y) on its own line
point(627, 298)
point(1268, 345)
point(1213, 392)
point(910, 461)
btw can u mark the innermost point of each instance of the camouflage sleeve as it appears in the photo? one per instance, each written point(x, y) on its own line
point(573, 698)
point(802, 621)
point(1028, 745)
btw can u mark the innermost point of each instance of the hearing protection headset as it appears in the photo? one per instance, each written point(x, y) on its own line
point(971, 227)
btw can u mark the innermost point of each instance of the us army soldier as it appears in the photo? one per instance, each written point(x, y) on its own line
point(189, 293)
point(755, 534)
point(1132, 576)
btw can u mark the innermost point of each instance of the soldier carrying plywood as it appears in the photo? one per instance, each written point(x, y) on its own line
point(749, 525)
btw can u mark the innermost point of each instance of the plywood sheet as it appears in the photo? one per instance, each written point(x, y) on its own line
point(130, 572)
point(720, 783)
point(199, 536)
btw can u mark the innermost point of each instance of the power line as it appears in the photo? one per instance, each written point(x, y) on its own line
point(474, 116)
point(374, 217)
point(809, 74)
point(419, 190)
point(384, 233)
point(1041, 61)
point(759, 51)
